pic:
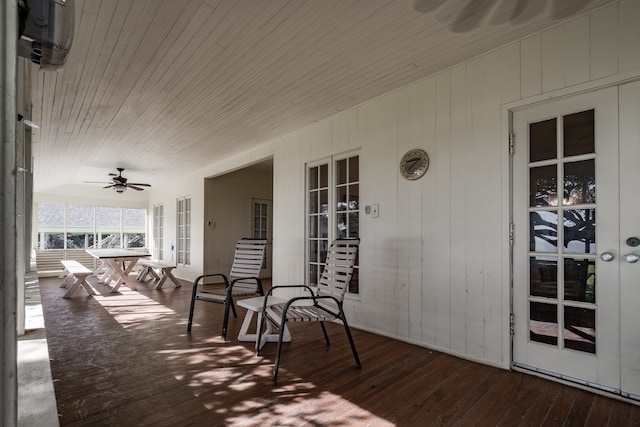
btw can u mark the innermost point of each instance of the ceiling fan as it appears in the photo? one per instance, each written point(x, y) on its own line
point(119, 183)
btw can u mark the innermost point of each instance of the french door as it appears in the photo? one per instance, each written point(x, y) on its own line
point(576, 216)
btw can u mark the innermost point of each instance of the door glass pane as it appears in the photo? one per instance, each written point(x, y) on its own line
point(543, 323)
point(313, 202)
point(342, 225)
point(579, 279)
point(313, 250)
point(354, 197)
point(580, 329)
point(580, 182)
point(313, 226)
point(542, 140)
point(354, 218)
point(354, 169)
point(324, 175)
point(313, 178)
point(341, 171)
point(544, 277)
point(580, 231)
point(544, 236)
point(341, 196)
point(578, 133)
point(324, 201)
point(324, 226)
point(543, 186)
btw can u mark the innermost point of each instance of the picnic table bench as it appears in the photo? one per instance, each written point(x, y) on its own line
point(76, 273)
point(149, 267)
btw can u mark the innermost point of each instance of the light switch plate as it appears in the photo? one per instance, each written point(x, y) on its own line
point(375, 210)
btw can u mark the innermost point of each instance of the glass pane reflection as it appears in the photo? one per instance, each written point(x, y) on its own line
point(579, 231)
point(580, 279)
point(543, 277)
point(580, 329)
point(544, 236)
point(543, 184)
point(341, 197)
point(580, 182)
point(543, 323)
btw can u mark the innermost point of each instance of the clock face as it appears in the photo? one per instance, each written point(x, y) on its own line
point(414, 164)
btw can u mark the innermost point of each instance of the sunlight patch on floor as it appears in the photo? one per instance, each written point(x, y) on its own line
point(131, 308)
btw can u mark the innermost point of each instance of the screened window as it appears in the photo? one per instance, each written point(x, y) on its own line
point(81, 226)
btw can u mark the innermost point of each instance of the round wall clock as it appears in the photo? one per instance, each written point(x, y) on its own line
point(414, 164)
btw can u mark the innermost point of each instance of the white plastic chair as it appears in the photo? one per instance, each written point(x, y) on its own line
point(325, 304)
point(243, 280)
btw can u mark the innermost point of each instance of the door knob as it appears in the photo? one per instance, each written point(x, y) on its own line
point(631, 257)
point(607, 256)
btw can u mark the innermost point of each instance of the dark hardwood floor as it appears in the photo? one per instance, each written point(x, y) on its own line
point(127, 360)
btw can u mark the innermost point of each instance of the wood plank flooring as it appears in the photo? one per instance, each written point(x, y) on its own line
point(127, 360)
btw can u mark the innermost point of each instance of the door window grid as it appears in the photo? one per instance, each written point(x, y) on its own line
point(332, 212)
point(562, 293)
point(261, 225)
point(158, 232)
point(184, 231)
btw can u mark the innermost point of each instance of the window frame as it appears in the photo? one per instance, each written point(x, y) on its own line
point(158, 231)
point(183, 231)
point(331, 215)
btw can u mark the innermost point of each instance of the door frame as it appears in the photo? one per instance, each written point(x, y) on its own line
point(508, 112)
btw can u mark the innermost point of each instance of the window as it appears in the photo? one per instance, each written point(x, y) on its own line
point(184, 231)
point(50, 226)
point(333, 197)
point(80, 222)
point(158, 231)
point(133, 220)
point(80, 227)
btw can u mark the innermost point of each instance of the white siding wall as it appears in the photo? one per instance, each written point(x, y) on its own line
point(435, 264)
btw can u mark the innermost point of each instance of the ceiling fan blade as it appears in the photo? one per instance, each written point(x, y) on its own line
point(134, 187)
point(96, 182)
point(139, 184)
point(109, 186)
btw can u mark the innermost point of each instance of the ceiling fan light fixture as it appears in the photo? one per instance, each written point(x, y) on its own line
point(119, 188)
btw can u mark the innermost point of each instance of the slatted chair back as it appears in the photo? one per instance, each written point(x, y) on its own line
point(338, 270)
point(247, 262)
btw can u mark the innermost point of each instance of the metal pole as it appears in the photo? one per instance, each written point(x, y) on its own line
point(8, 230)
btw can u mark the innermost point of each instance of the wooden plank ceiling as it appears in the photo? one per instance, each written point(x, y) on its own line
point(167, 87)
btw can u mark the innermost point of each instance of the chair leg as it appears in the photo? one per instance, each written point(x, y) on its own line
point(353, 345)
point(233, 308)
point(276, 365)
point(193, 303)
point(324, 331)
point(225, 321)
point(259, 332)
